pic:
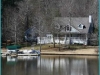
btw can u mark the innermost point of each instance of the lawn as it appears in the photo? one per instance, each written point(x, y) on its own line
point(62, 47)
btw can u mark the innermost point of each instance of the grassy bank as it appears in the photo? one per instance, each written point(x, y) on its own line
point(48, 49)
point(62, 47)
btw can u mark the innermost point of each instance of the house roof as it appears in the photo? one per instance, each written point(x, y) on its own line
point(74, 21)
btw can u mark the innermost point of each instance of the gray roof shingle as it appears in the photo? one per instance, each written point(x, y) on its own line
point(75, 21)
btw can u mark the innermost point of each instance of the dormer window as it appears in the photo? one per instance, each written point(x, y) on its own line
point(68, 28)
point(81, 26)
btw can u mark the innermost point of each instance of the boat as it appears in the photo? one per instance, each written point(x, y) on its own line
point(13, 49)
point(31, 52)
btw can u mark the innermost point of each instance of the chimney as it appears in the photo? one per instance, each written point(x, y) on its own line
point(90, 19)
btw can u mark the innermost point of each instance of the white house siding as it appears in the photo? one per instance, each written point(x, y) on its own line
point(73, 40)
point(44, 40)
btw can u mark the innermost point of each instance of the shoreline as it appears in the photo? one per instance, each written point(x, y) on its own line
point(90, 52)
point(54, 51)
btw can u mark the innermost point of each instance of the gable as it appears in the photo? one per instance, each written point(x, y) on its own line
point(74, 30)
point(81, 26)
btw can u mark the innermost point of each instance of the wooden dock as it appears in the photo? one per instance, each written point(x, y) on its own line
point(27, 54)
point(15, 54)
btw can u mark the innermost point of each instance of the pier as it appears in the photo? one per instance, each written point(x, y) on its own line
point(15, 54)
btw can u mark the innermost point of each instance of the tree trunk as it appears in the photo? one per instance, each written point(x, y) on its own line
point(53, 41)
point(59, 41)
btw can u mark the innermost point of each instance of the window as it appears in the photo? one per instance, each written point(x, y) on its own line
point(68, 28)
point(81, 26)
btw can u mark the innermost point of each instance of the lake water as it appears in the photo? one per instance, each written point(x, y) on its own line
point(50, 65)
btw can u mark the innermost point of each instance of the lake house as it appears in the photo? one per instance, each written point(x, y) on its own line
point(75, 29)
point(72, 30)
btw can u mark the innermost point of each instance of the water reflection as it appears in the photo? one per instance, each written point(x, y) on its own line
point(34, 65)
point(11, 60)
point(64, 66)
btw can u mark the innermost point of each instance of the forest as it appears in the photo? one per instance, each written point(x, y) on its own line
point(20, 15)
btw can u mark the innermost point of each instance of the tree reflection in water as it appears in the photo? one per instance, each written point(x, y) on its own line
point(50, 66)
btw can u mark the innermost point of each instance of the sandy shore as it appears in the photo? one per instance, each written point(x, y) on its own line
point(91, 51)
point(55, 51)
